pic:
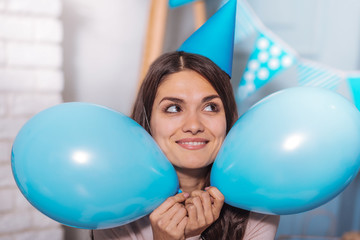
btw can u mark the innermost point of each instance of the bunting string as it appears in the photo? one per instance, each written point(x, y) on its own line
point(271, 56)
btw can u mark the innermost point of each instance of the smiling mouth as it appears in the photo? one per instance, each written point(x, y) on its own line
point(192, 145)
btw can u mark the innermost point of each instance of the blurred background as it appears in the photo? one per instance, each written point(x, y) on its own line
point(54, 51)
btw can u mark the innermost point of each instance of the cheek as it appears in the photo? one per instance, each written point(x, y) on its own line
point(160, 129)
point(219, 129)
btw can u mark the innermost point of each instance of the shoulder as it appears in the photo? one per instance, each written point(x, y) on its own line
point(261, 226)
point(139, 230)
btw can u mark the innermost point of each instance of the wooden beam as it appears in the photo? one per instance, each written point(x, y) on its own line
point(155, 35)
point(199, 8)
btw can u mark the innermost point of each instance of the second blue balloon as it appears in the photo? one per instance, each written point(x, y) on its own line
point(291, 152)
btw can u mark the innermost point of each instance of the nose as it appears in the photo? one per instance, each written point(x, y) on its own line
point(193, 124)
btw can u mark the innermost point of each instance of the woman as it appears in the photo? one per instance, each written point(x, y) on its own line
point(186, 103)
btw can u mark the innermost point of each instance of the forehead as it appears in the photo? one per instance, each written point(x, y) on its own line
point(186, 82)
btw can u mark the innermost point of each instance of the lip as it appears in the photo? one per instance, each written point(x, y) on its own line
point(192, 143)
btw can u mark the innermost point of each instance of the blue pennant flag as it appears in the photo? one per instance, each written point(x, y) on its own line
point(354, 85)
point(313, 74)
point(268, 58)
point(178, 3)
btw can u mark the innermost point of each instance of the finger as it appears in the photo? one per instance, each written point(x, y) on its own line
point(177, 217)
point(182, 225)
point(199, 210)
point(191, 211)
point(218, 200)
point(196, 193)
point(189, 201)
point(211, 198)
point(166, 218)
point(207, 206)
point(171, 201)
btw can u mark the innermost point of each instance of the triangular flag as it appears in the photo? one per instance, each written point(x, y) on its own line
point(354, 85)
point(313, 74)
point(247, 22)
point(268, 58)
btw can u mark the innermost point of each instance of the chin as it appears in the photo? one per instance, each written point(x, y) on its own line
point(195, 166)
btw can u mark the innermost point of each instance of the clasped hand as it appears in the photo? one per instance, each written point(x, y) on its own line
point(185, 215)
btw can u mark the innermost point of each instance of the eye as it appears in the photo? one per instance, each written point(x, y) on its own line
point(211, 107)
point(173, 109)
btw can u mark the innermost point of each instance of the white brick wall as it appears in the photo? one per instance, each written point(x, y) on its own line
point(50, 8)
point(33, 55)
point(31, 79)
point(29, 28)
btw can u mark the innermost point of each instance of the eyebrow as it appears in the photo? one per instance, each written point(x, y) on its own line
point(172, 99)
point(178, 100)
point(209, 98)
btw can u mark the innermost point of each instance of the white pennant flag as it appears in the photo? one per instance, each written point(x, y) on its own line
point(313, 74)
point(246, 21)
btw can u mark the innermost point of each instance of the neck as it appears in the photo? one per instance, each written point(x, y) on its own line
point(192, 179)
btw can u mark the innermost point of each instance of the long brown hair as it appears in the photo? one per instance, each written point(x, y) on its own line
point(232, 221)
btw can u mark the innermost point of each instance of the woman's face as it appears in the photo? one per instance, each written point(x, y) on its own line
point(188, 120)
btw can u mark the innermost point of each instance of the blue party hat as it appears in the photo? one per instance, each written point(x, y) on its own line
point(178, 3)
point(215, 39)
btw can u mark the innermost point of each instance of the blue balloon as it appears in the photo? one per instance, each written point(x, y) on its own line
point(87, 166)
point(291, 152)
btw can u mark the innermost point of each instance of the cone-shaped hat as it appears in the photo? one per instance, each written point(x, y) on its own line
point(215, 39)
point(178, 3)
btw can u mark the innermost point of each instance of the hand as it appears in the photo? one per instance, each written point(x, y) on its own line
point(169, 220)
point(203, 209)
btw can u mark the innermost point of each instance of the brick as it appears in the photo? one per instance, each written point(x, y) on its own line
point(53, 234)
point(17, 27)
point(46, 7)
point(2, 109)
point(25, 80)
point(6, 200)
point(25, 28)
point(33, 55)
point(15, 221)
point(9, 127)
point(2, 53)
point(18, 80)
point(50, 80)
point(39, 220)
point(5, 151)
point(6, 177)
point(2, 7)
point(30, 104)
point(21, 204)
point(48, 30)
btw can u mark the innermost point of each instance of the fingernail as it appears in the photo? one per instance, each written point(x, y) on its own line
point(186, 194)
point(207, 188)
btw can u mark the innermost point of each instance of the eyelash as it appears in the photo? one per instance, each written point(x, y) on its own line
point(214, 106)
point(167, 107)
